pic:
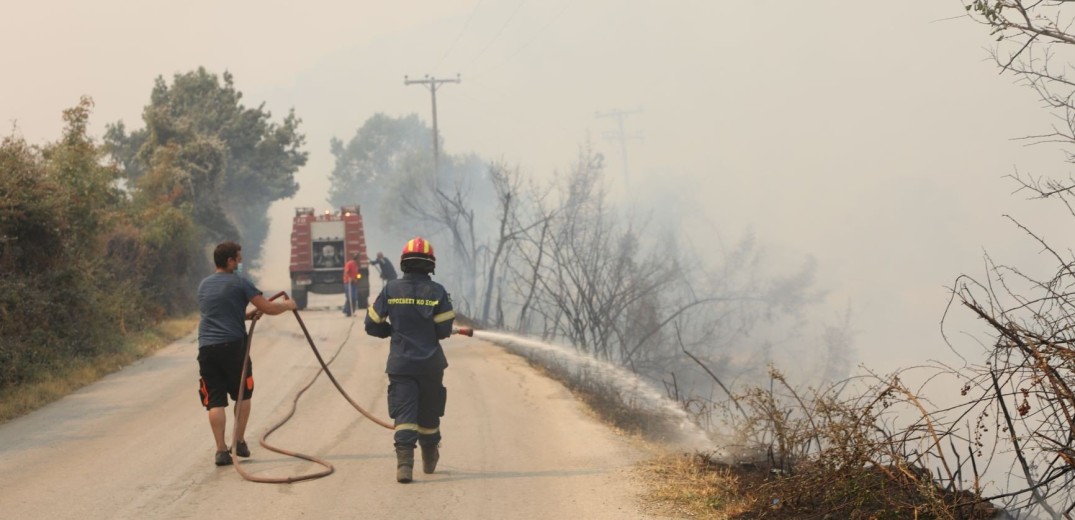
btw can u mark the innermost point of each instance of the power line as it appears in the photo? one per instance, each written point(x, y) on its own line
point(497, 35)
point(460, 35)
point(527, 44)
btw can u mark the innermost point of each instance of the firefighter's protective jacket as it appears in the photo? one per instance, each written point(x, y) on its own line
point(417, 313)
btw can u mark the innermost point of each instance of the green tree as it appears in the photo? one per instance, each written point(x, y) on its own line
point(61, 293)
point(387, 168)
point(382, 155)
point(160, 243)
point(231, 161)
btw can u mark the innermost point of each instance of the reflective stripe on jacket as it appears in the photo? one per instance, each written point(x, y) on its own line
point(417, 313)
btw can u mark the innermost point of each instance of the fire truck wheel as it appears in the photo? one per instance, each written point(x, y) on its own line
point(299, 295)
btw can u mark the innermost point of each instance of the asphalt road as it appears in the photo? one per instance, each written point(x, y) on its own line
point(137, 443)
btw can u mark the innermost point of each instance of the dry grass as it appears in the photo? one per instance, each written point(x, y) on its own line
point(839, 480)
point(63, 380)
point(691, 486)
point(694, 486)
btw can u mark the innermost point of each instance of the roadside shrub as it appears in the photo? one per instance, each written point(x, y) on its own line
point(852, 451)
point(78, 270)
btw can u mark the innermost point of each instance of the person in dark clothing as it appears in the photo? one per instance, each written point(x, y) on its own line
point(388, 273)
point(222, 300)
point(416, 313)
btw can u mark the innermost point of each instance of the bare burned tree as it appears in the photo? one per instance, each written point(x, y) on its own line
point(452, 210)
point(1025, 395)
point(1024, 402)
point(443, 207)
point(529, 260)
point(588, 274)
point(1035, 42)
point(588, 271)
point(515, 221)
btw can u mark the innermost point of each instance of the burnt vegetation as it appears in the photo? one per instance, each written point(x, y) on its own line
point(986, 439)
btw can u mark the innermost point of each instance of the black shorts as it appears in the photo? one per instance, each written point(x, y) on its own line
point(220, 367)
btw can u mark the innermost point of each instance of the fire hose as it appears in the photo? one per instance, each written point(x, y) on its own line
point(329, 468)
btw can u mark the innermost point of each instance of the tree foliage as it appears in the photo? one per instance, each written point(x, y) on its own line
point(66, 287)
point(387, 167)
point(229, 162)
point(380, 153)
point(91, 250)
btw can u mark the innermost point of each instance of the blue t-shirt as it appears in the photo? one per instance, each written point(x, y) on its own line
point(222, 299)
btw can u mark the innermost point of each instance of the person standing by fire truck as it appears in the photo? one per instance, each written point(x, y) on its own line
point(350, 285)
point(417, 313)
point(384, 266)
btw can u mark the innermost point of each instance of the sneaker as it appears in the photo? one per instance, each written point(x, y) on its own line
point(223, 458)
point(241, 449)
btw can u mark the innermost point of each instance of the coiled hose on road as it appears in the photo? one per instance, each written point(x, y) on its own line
point(294, 405)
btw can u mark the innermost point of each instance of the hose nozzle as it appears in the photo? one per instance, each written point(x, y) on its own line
point(466, 331)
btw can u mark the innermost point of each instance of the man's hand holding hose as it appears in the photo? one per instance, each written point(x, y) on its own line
point(270, 307)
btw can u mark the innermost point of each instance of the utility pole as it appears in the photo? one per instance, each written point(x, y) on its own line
point(621, 135)
point(433, 84)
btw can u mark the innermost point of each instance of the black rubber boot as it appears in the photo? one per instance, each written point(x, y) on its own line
point(430, 456)
point(404, 464)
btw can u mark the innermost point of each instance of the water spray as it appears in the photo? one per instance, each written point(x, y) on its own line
point(627, 384)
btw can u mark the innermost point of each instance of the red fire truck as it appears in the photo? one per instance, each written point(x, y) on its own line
point(320, 246)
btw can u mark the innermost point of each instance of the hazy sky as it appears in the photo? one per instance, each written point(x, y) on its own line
point(871, 137)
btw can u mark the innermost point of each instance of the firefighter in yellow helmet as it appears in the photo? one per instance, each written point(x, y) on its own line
point(416, 313)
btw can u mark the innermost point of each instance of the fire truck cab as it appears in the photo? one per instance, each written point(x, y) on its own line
point(320, 246)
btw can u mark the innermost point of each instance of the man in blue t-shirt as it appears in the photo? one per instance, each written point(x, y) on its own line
point(222, 299)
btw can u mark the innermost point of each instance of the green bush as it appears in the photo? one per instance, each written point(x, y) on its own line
point(81, 263)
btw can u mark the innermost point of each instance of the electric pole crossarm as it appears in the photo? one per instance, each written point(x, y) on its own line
point(430, 81)
point(621, 135)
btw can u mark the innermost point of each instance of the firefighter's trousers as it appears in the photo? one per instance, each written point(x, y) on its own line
point(416, 402)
